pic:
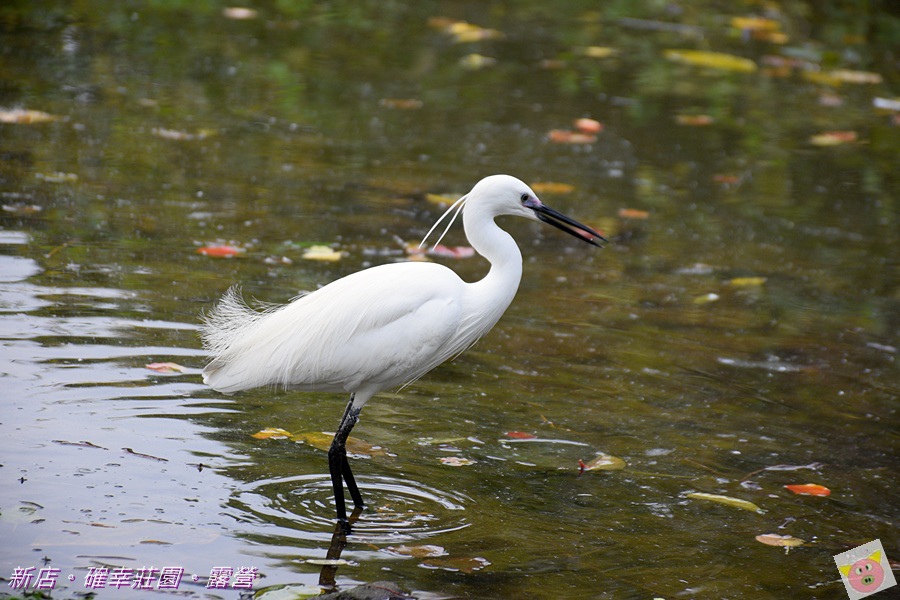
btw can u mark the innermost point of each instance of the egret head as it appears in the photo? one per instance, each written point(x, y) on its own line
point(506, 195)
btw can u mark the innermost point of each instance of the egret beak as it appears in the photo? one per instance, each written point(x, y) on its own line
point(564, 223)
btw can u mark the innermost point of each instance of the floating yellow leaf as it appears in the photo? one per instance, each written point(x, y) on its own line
point(747, 281)
point(706, 298)
point(323, 253)
point(603, 462)
point(755, 24)
point(711, 60)
point(833, 138)
point(552, 187)
point(728, 500)
point(463, 32)
point(272, 433)
point(785, 541)
point(25, 117)
point(475, 61)
point(599, 52)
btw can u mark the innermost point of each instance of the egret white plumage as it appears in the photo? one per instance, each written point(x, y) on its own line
point(382, 327)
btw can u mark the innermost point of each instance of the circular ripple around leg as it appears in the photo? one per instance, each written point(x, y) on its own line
point(396, 510)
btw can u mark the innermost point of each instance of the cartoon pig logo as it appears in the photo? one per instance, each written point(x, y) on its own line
point(866, 574)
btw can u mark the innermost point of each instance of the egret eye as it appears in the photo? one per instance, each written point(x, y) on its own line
point(524, 197)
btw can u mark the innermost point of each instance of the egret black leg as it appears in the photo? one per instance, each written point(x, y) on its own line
point(339, 466)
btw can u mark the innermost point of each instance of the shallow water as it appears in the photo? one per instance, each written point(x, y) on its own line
point(738, 334)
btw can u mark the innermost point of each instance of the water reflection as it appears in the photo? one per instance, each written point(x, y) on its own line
point(398, 510)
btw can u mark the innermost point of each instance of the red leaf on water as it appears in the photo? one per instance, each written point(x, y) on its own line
point(520, 435)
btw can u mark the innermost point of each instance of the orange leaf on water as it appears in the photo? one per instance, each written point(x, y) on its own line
point(589, 126)
point(633, 213)
point(220, 251)
point(520, 435)
point(694, 120)
point(564, 136)
point(552, 187)
point(809, 489)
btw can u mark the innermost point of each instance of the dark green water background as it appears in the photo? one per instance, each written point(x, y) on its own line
point(179, 127)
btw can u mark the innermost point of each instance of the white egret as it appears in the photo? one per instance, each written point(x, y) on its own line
point(382, 327)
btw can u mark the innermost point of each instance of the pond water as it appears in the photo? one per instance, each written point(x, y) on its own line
point(739, 333)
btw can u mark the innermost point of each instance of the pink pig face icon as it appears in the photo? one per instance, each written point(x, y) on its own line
point(866, 575)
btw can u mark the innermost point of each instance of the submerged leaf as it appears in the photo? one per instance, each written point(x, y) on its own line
point(475, 61)
point(166, 367)
point(727, 500)
point(809, 489)
point(603, 462)
point(599, 51)
point(520, 435)
point(755, 24)
point(711, 60)
point(841, 76)
point(694, 120)
point(457, 461)
point(321, 440)
point(747, 281)
point(424, 551)
point(401, 103)
point(461, 564)
point(633, 213)
point(182, 136)
point(833, 138)
point(22, 116)
point(564, 136)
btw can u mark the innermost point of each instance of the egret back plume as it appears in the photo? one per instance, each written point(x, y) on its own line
point(458, 207)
